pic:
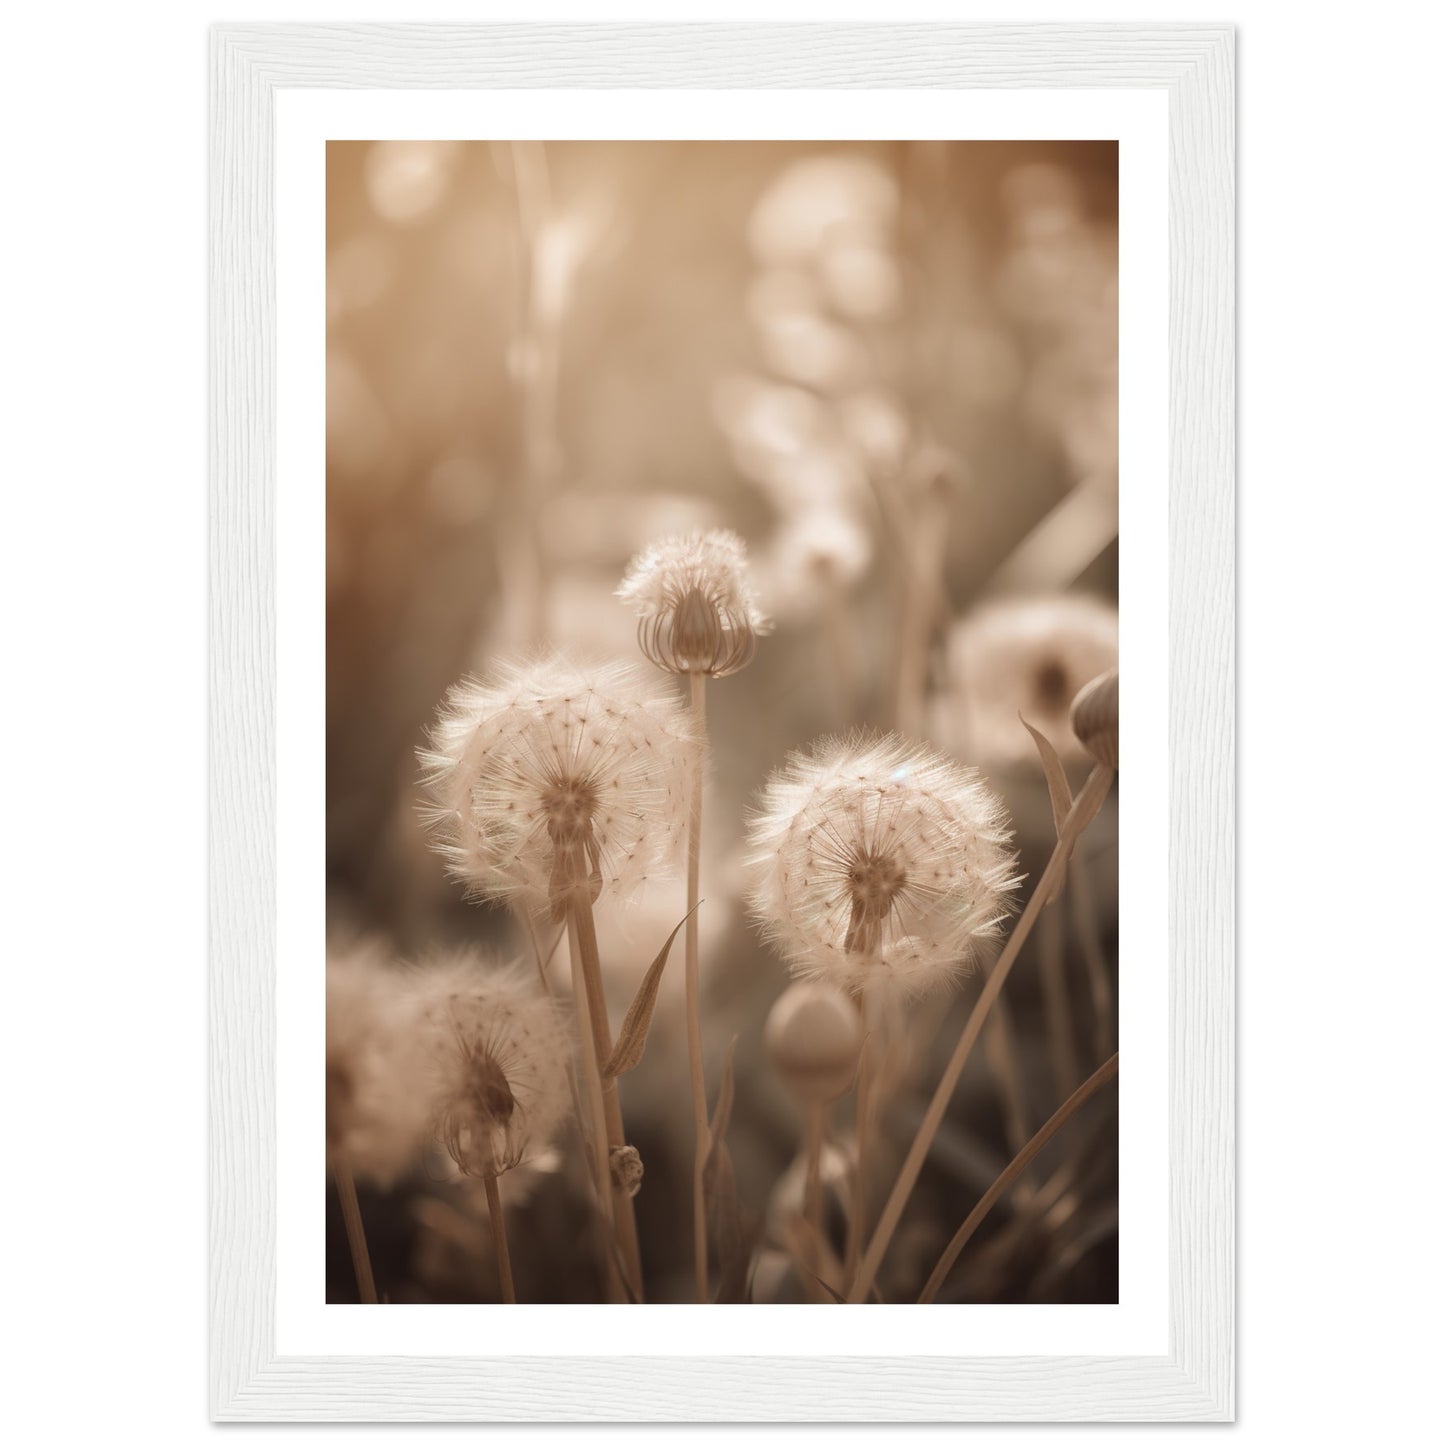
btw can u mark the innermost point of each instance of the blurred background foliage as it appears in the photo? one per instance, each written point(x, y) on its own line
point(892, 367)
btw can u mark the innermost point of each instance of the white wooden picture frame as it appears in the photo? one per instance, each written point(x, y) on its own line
point(250, 1380)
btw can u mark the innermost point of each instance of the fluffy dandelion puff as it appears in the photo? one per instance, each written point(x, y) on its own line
point(554, 776)
point(376, 1107)
point(695, 604)
point(1029, 656)
point(497, 1052)
point(879, 866)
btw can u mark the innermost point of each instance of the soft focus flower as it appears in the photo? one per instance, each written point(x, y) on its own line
point(497, 1052)
point(376, 1101)
point(555, 776)
point(815, 557)
point(878, 865)
point(695, 604)
point(1025, 656)
point(818, 199)
point(407, 179)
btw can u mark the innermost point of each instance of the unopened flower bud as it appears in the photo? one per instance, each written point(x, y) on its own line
point(626, 1165)
point(814, 1035)
point(695, 604)
point(1095, 718)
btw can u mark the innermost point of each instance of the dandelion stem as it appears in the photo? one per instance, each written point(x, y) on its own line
point(599, 1157)
point(862, 1119)
point(1058, 1014)
point(355, 1233)
point(584, 938)
point(1086, 930)
point(499, 1240)
point(1020, 1162)
point(1086, 806)
point(813, 1194)
point(701, 1129)
point(606, 1238)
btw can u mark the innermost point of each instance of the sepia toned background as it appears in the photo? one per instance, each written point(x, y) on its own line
point(892, 368)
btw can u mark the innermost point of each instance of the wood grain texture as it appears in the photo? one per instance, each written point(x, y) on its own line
point(248, 1380)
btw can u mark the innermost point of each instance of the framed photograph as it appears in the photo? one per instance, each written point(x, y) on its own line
point(722, 547)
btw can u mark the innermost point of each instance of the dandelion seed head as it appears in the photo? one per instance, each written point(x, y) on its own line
point(1026, 656)
point(553, 776)
point(497, 1051)
point(375, 1101)
point(879, 866)
point(696, 607)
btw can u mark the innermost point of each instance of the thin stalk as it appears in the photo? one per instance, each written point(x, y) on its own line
point(584, 936)
point(1021, 1161)
point(601, 1195)
point(1086, 805)
point(702, 1133)
point(599, 1158)
point(499, 1241)
point(813, 1194)
point(355, 1233)
point(544, 962)
point(1058, 1015)
point(862, 1118)
point(999, 1050)
point(1086, 930)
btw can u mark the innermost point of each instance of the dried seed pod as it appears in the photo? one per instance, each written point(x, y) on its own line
point(1095, 718)
point(814, 1035)
point(626, 1165)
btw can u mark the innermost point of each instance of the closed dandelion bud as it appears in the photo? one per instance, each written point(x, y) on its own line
point(1095, 718)
point(626, 1164)
point(695, 604)
point(814, 1035)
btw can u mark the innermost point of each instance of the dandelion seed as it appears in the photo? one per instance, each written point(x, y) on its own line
point(879, 866)
point(556, 777)
point(496, 1054)
point(696, 608)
